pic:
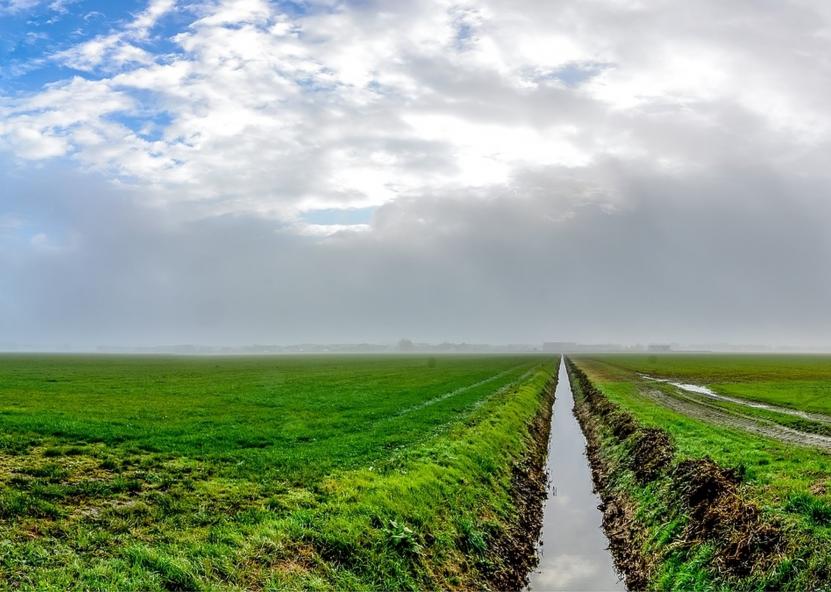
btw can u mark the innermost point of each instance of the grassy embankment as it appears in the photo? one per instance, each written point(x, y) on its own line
point(136, 473)
point(693, 505)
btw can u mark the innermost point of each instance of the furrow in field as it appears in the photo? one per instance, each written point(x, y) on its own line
point(462, 389)
point(698, 409)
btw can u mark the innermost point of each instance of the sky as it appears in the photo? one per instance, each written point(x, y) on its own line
point(225, 172)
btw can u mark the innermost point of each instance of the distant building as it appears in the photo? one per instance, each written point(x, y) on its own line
point(406, 345)
point(571, 347)
point(560, 347)
point(657, 348)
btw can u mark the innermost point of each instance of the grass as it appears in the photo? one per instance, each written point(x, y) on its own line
point(143, 473)
point(791, 484)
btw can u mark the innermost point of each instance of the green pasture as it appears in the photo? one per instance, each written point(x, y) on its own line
point(348, 472)
point(796, 381)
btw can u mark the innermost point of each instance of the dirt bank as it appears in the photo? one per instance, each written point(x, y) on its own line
point(515, 551)
point(618, 510)
point(700, 493)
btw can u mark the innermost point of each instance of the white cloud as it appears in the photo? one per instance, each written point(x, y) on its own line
point(12, 6)
point(20, 6)
point(148, 18)
point(114, 51)
point(30, 144)
point(259, 111)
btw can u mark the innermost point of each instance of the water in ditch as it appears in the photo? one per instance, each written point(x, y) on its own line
point(573, 548)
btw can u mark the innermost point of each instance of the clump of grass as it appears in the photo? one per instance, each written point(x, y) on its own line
point(55, 451)
point(815, 509)
point(18, 505)
point(15, 444)
point(175, 573)
point(109, 464)
point(51, 471)
point(472, 539)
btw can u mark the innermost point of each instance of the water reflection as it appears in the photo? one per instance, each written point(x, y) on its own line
point(573, 550)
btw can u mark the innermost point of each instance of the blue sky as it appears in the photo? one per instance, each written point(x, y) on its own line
point(31, 36)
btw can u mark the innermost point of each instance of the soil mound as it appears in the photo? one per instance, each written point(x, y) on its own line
point(718, 513)
point(622, 424)
point(621, 529)
point(652, 452)
point(701, 482)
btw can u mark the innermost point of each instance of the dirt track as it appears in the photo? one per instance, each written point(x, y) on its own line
point(705, 392)
point(694, 407)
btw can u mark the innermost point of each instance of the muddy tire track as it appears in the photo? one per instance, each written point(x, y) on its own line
point(815, 417)
point(705, 392)
point(693, 407)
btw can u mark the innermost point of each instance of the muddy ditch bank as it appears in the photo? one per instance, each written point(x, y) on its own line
point(701, 495)
point(515, 551)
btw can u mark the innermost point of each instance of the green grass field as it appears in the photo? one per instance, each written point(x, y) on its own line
point(149, 473)
point(790, 483)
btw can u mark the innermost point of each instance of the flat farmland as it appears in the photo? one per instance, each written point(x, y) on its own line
point(260, 472)
point(794, 381)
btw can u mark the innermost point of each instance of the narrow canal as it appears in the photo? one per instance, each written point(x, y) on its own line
point(573, 548)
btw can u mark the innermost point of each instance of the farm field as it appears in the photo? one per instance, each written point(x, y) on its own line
point(763, 518)
point(152, 473)
point(794, 381)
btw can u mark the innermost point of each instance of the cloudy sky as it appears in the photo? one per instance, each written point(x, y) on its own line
point(239, 171)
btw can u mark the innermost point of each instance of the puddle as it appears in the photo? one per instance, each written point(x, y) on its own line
point(573, 548)
point(695, 388)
